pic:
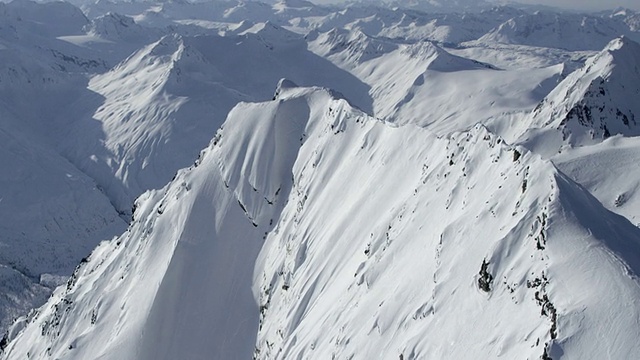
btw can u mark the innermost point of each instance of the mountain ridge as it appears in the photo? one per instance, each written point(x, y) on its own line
point(590, 104)
point(240, 188)
point(405, 192)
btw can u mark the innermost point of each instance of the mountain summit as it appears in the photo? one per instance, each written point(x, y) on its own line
point(595, 102)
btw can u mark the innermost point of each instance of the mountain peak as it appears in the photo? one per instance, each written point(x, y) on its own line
point(351, 45)
point(594, 102)
point(283, 85)
point(273, 35)
point(167, 45)
point(114, 26)
point(623, 50)
point(247, 169)
point(169, 56)
point(441, 60)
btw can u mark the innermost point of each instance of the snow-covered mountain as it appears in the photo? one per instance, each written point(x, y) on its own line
point(164, 103)
point(565, 31)
point(116, 27)
point(591, 104)
point(292, 179)
point(52, 214)
point(467, 228)
point(27, 15)
point(446, 180)
point(428, 88)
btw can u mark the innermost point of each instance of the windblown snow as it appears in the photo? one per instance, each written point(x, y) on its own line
point(232, 180)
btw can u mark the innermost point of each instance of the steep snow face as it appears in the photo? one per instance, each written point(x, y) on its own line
point(313, 186)
point(564, 31)
point(593, 103)
point(212, 219)
point(365, 263)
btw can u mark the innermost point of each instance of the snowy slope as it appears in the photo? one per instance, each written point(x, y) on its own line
point(437, 5)
point(37, 17)
point(307, 228)
point(155, 111)
point(160, 106)
point(316, 182)
point(408, 25)
point(609, 170)
point(401, 23)
point(129, 129)
point(513, 57)
point(349, 47)
point(51, 216)
point(381, 265)
point(116, 27)
point(428, 88)
point(594, 102)
point(217, 212)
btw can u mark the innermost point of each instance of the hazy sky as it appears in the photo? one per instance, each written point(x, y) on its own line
point(582, 5)
point(587, 4)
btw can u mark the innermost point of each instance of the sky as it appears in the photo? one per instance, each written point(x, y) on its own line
point(581, 5)
point(587, 4)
